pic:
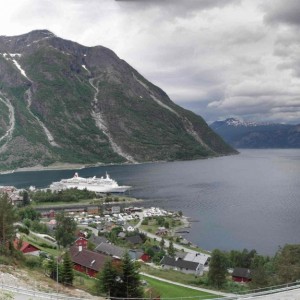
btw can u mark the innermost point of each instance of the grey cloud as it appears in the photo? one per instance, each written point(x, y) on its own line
point(175, 8)
point(286, 12)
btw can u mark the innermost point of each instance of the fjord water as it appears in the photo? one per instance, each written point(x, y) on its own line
point(250, 200)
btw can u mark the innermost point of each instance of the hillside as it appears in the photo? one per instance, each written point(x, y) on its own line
point(257, 135)
point(64, 102)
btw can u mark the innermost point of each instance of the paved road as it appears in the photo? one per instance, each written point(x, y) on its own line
point(287, 295)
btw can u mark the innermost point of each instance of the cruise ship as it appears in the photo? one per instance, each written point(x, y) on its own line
point(93, 184)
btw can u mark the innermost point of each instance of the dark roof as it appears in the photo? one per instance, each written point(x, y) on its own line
point(179, 263)
point(135, 254)
point(242, 272)
point(96, 240)
point(136, 239)
point(111, 250)
point(88, 258)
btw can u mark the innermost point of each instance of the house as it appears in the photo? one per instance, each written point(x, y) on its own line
point(111, 250)
point(200, 258)
point(241, 275)
point(92, 210)
point(134, 240)
point(87, 261)
point(128, 228)
point(139, 255)
point(115, 209)
point(81, 241)
point(161, 231)
point(26, 247)
point(187, 267)
point(122, 235)
point(96, 240)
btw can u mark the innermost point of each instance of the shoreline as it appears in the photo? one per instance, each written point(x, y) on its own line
point(57, 166)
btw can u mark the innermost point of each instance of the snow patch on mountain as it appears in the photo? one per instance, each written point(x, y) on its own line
point(20, 68)
point(237, 122)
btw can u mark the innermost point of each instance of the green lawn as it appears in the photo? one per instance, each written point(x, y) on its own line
point(167, 290)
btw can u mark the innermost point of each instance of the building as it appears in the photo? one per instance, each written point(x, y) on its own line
point(87, 261)
point(139, 255)
point(81, 241)
point(96, 240)
point(134, 240)
point(115, 209)
point(26, 248)
point(177, 264)
point(241, 275)
point(93, 210)
point(111, 250)
point(200, 258)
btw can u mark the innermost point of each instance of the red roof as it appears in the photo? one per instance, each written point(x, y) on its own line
point(26, 247)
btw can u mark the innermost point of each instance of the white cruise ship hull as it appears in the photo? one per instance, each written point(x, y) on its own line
point(97, 185)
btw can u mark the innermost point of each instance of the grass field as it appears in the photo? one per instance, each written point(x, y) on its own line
point(167, 290)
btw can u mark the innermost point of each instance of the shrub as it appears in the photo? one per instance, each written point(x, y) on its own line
point(32, 262)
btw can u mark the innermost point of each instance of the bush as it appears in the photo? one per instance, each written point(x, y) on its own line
point(145, 222)
point(32, 262)
point(4, 260)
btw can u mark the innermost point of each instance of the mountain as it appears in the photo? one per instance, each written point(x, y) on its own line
point(64, 102)
point(257, 135)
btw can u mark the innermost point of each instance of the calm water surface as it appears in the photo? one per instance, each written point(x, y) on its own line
point(251, 200)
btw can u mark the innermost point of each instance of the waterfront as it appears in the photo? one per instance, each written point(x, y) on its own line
point(249, 200)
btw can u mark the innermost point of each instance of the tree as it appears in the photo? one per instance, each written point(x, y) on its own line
point(259, 277)
point(171, 249)
point(108, 280)
point(7, 219)
point(25, 199)
point(28, 213)
point(65, 230)
point(287, 263)
point(162, 243)
point(131, 278)
point(51, 268)
point(120, 279)
point(217, 269)
point(67, 270)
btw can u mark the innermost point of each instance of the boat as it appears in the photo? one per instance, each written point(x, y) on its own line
point(93, 184)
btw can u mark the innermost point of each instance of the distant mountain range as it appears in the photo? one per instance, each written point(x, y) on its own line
point(257, 135)
point(64, 102)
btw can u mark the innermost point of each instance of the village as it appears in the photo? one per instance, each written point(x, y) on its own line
point(152, 236)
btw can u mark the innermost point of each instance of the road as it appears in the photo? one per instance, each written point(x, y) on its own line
point(285, 295)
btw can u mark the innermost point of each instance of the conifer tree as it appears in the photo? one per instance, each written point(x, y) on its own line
point(67, 270)
point(108, 280)
point(25, 199)
point(171, 249)
point(7, 219)
point(131, 278)
point(120, 280)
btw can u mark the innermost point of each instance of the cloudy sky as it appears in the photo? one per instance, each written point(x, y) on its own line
point(219, 58)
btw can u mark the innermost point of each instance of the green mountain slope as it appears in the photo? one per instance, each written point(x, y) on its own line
point(63, 102)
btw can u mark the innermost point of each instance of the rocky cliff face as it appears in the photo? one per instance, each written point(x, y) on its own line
point(64, 102)
point(258, 135)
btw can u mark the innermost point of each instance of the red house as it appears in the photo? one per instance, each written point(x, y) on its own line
point(26, 247)
point(87, 261)
point(241, 275)
point(81, 241)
